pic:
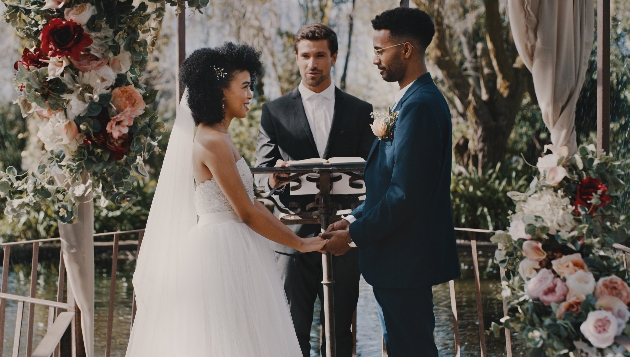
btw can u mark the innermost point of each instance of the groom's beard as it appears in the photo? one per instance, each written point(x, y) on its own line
point(394, 72)
point(317, 81)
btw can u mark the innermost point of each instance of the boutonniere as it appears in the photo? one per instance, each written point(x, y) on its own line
point(383, 126)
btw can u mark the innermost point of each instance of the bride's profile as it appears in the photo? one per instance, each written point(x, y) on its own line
point(206, 281)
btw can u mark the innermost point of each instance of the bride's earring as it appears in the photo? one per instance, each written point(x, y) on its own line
point(223, 105)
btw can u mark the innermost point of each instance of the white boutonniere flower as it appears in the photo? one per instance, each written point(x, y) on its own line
point(383, 125)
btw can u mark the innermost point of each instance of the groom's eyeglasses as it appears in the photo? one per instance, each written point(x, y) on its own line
point(379, 52)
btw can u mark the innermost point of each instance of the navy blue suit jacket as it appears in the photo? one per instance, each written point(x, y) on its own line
point(405, 229)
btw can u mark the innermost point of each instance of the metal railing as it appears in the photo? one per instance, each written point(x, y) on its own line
point(63, 337)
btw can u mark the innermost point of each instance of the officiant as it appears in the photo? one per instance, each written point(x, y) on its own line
point(315, 120)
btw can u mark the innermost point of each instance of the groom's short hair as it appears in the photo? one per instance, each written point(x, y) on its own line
point(315, 32)
point(407, 24)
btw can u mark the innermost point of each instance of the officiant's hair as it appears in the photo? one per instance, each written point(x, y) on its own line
point(405, 24)
point(207, 71)
point(315, 32)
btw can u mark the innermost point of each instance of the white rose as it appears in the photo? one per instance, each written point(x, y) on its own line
point(600, 328)
point(54, 136)
point(121, 63)
point(555, 210)
point(517, 230)
point(617, 308)
point(551, 160)
point(106, 77)
point(80, 14)
point(555, 175)
point(56, 66)
point(581, 282)
point(527, 268)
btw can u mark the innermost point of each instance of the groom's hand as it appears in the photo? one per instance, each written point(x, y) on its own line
point(273, 178)
point(337, 242)
point(340, 225)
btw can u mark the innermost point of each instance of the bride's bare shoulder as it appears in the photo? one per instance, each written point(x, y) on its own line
point(210, 141)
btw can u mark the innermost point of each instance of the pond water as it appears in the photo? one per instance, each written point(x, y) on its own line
point(368, 325)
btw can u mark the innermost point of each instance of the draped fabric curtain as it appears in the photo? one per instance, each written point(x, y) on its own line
point(77, 244)
point(554, 38)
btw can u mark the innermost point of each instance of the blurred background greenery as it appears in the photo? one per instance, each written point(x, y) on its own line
point(489, 159)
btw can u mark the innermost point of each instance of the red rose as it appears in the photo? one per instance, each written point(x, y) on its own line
point(32, 59)
point(589, 187)
point(64, 38)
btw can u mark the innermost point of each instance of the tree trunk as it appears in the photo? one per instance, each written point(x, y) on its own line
point(342, 84)
point(489, 93)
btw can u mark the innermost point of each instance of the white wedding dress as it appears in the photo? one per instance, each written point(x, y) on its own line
point(214, 290)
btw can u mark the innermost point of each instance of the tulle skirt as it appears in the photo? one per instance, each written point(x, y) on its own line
point(231, 301)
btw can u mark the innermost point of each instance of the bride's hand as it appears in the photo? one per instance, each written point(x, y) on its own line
point(312, 244)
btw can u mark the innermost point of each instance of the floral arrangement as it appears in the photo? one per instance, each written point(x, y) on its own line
point(79, 79)
point(383, 125)
point(564, 286)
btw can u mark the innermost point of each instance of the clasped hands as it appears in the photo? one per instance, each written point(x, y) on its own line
point(337, 238)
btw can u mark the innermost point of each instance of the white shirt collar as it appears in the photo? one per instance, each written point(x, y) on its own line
point(401, 93)
point(328, 93)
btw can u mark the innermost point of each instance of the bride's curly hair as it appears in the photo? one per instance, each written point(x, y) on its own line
point(207, 71)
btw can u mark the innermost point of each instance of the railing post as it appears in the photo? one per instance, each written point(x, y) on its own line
point(31, 306)
point(3, 302)
point(451, 288)
point(482, 333)
point(112, 296)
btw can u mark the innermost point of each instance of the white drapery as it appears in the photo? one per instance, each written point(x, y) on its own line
point(554, 38)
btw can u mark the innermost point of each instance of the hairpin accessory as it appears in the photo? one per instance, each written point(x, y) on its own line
point(220, 72)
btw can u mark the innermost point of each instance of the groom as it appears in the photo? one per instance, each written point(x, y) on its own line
point(404, 229)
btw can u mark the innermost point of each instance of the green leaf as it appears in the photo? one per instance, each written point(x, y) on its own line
point(149, 96)
point(5, 187)
point(93, 109)
point(11, 171)
point(105, 98)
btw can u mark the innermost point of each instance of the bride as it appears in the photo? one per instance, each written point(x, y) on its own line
point(206, 282)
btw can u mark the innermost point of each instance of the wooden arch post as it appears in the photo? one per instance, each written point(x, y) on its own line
point(603, 76)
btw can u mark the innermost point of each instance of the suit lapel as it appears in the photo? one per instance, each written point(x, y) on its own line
point(336, 120)
point(300, 116)
point(374, 146)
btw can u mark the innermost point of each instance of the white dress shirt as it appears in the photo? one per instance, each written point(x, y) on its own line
point(319, 108)
point(401, 93)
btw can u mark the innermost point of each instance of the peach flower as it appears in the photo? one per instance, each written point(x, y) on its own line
point(68, 131)
point(571, 305)
point(121, 63)
point(53, 4)
point(533, 250)
point(569, 264)
point(88, 62)
point(555, 292)
point(613, 286)
point(600, 328)
point(80, 13)
point(45, 114)
point(539, 283)
point(617, 308)
point(129, 99)
point(379, 128)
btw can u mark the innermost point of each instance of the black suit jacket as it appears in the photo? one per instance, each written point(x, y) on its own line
point(285, 134)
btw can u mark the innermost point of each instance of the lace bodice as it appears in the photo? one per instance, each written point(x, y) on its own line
point(210, 199)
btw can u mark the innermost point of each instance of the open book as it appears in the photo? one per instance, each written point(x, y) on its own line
point(331, 161)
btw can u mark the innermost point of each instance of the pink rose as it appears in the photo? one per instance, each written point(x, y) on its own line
point(116, 130)
point(128, 98)
point(600, 328)
point(88, 62)
point(45, 114)
point(613, 286)
point(539, 283)
point(379, 128)
point(572, 305)
point(533, 250)
point(569, 264)
point(555, 175)
point(555, 292)
point(617, 308)
point(69, 131)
